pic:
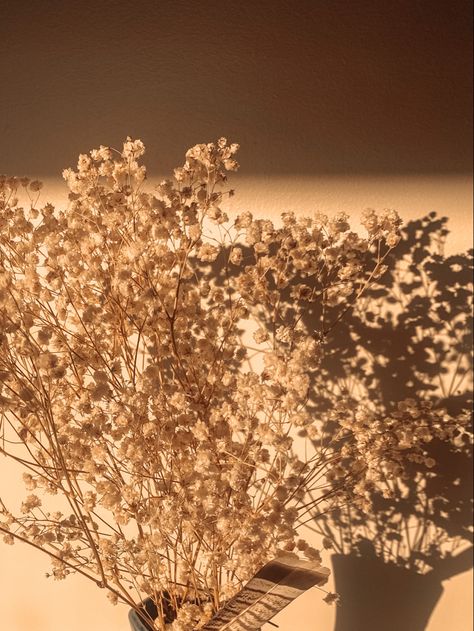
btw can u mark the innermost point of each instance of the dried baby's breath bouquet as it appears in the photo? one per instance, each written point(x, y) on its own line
point(156, 373)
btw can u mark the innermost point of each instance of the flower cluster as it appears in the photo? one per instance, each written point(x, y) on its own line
point(128, 321)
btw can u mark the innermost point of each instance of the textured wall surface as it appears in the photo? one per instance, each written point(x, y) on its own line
point(306, 86)
point(338, 105)
point(29, 602)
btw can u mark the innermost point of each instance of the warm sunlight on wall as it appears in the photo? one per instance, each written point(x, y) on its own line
point(29, 602)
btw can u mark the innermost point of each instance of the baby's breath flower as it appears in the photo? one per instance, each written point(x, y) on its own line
point(208, 252)
point(236, 256)
point(35, 186)
point(332, 598)
point(260, 336)
point(126, 372)
point(30, 503)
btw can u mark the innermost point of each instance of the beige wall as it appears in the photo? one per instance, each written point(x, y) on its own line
point(368, 91)
point(29, 602)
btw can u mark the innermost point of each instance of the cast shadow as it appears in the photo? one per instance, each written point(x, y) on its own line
point(411, 338)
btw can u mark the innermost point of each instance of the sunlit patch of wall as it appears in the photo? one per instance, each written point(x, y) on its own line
point(26, 595)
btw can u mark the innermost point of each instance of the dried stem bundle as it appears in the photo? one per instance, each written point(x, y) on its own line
point(126, 388)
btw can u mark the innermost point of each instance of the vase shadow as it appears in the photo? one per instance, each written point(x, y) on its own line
point(377, 595)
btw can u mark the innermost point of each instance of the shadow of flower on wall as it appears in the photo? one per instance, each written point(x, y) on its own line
point(410, 338)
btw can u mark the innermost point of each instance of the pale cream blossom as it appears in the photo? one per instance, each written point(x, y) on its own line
point(126, 375)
